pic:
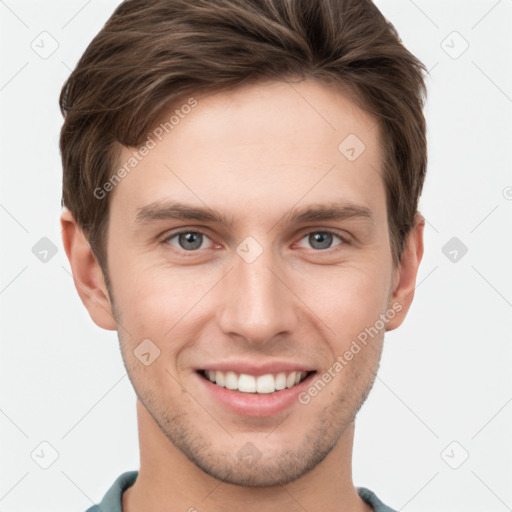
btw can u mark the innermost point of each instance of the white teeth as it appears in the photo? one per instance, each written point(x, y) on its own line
point(231, 380)
point(265, 384)
point(245, 383)
point(219, 378)
point(280, 381)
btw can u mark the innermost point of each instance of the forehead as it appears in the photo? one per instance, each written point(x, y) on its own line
point(259, 146)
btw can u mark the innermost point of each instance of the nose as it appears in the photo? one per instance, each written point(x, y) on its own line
point(257, 302)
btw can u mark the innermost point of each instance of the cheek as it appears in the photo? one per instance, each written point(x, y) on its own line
point(142, 301)
point(157, 302)
point(347, 299)
point(152, 297)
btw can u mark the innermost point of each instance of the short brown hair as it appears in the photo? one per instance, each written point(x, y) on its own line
point(152, 53)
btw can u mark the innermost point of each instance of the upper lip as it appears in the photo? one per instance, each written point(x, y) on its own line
point(257, 369)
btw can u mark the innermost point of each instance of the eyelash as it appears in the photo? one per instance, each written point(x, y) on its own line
point(343, 239)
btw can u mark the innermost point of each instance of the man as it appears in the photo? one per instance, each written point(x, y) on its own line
point(241, 181)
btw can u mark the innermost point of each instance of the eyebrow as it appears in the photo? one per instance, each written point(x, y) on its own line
point(175, 210)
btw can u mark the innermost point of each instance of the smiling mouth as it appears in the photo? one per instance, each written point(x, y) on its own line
point(245, 383)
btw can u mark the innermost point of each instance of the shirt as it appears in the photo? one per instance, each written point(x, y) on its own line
point(112, 502)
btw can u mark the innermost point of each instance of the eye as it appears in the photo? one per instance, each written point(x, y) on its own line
point(188, 240)
point(322, 240)
point(192, 241)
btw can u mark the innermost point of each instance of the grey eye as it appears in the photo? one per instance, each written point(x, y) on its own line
point(188, 240)
point(320, 240)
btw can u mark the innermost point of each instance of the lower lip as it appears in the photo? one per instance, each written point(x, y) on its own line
point(256, 404)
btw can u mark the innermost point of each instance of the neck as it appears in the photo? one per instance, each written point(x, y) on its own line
point(169, 481)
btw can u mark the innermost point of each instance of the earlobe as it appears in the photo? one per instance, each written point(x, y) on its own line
point(87, 274)
point(405, 277)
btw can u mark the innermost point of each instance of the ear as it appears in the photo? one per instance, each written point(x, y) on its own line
point(404, 281)
point(87, 274)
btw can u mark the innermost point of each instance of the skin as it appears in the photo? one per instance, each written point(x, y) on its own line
point(253, 154)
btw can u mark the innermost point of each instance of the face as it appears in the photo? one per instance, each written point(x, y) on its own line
point(261, 293)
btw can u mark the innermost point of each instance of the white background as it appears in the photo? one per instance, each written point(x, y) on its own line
point(445, 374)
